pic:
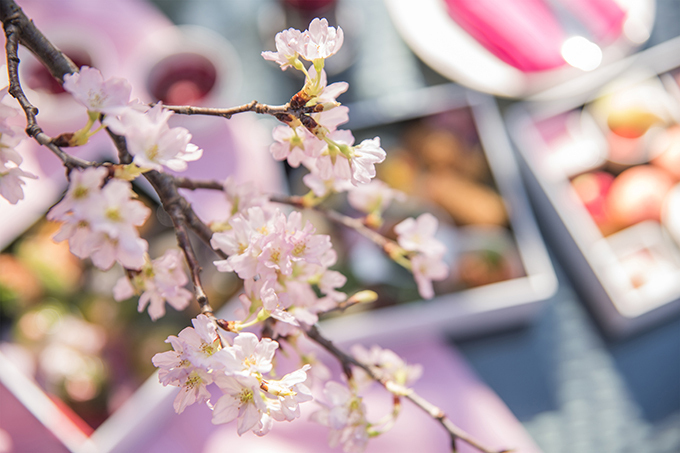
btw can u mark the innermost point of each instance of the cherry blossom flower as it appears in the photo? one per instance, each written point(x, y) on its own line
point(160, 280)
point(365, 156)
point(243, 196)
point(329, 282)
point(177, 369)
point(10, 137)
point(11, 182)
point(8, 105)
point(295, 145)
point(390, 366)
point(243, 242)
point(345, 415)
point(341, 160)
point(84, 185)
point(290, 391)
point(127, 249)
point(261, 293)
point(242, 401)
point(11, 175)
point(307, 246)
point(152, 142)
point(201, 342)
point(417, 235)
point(427, 268)
point(114, 215)
point(248, 355)
point(276, 252)
point(316, 86)
point(100, 222)
point(89, 88)
point(328, 93)
point(193, 389)
point(321, 41)
point(334, 161)
point(323, 187)
point(373, 197)
point(330, 119)
point(289, 44)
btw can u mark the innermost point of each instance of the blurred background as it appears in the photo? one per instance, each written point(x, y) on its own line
point(568, 314)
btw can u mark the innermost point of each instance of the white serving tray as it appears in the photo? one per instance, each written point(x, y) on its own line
point(589, 258)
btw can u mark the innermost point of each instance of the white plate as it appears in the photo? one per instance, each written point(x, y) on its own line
point(442, 44)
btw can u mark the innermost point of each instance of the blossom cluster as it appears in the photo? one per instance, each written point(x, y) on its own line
point(160, 280)
point(280, 260)
point(152, 143)
point(11, 175)
point(344, 413)
point(100, 219)
point(200, 357)
point(314, 140)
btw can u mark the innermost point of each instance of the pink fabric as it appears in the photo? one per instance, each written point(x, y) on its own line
point(447, 381)
point(26, 432)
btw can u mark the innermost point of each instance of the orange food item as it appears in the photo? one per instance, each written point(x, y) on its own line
point(637, 194)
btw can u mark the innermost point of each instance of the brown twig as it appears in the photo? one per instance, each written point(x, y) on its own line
point(293, 113)
point(194, 184)
point(253, 106)
point(346, 360)
point(172, 203)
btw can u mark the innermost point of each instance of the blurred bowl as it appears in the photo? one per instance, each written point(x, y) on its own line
point(186, 65)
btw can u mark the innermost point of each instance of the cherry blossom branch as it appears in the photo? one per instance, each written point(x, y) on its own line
point(19, 28)
point(227, 113)
point(293, 111)
point(202, 230)
point(172, 203)
point(435, 412)
point(175, 205)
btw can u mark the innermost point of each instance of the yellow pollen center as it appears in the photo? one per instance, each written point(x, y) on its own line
point(192, 381)
point(299, 249)
point(246, 396)
point(114, 214)
point(80, 192)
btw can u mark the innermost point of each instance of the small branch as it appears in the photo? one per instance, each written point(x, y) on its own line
point(194, 184)
point(172, 203)
point(202, 230)
point(346, 360)
point(253, 106)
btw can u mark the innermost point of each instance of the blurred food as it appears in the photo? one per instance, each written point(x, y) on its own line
point(440, 159)
point(592, 189)
point(666, 148)
point(466, 200)
point(637, 194)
